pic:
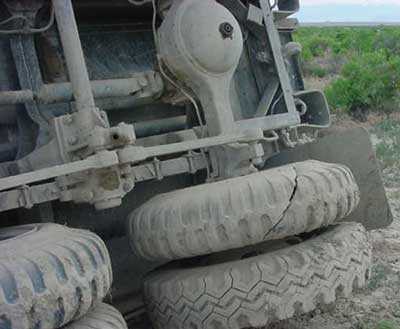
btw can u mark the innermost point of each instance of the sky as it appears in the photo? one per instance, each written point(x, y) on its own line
point(349, 11)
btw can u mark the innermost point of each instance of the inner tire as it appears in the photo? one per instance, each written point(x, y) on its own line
point(256, 291)
point(242, 211)
point(50, 275)
point(103, 316)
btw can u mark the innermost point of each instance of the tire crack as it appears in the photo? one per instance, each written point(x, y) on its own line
point(292, 196)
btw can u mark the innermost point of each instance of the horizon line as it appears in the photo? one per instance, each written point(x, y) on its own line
point(349, 23)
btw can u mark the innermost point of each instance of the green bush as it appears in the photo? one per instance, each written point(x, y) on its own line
point(367, 60)
point(387, 325)
point(389, 41)
point(319, 71)
point(318, 45)
point(347, 41)
point(369, 82)
point(315, 70)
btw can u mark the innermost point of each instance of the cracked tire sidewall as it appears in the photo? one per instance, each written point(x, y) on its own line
point(257, 291)
point(243, 211)
point(50, 275)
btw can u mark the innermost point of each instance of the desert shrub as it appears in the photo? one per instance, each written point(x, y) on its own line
point(388, 40)
point(341, 40)
point(366, 61)
point(314, 42)
point(388, 145)
point(387, 325)
point(388, 127)
point(315, 70)
point(369, 82)
point(319, 71)
point(318, 45)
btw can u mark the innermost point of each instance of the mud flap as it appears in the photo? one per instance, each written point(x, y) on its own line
point(351, 147)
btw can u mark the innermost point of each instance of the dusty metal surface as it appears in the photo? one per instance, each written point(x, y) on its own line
point(73, 54)
point(148, 82)
point(73, 141)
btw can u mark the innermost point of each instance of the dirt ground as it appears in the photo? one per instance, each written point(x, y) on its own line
point(377, 306)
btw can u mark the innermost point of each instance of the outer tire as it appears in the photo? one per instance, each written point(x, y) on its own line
point(257, 291)
point(103, 316)
point(243, 211)
point(50, 275)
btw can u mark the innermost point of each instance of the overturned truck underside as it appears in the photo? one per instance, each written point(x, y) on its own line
point(190, 121)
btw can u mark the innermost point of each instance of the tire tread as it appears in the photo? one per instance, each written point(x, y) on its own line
point(260, 290)
point(170, 225)
point(58, 273)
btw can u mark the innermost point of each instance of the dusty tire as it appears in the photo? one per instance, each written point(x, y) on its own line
point(243, 211)
point(50, 275)
point(103, 316)
point(256, 291)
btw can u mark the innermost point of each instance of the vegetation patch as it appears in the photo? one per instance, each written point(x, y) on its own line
point(378, 276)
point(387, 145)
point(387, 325)
point(363, 65)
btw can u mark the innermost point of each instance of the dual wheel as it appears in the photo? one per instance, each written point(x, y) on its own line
point(232, 263)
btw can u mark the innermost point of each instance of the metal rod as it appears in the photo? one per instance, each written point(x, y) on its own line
point(276, 47)
point(16, 97)
point(160, 126)
point(98, 161)
point(73, 52)
point(29, 196)
point(62, 92)
point(134, 154)
point(38, 194)
point(270, 122)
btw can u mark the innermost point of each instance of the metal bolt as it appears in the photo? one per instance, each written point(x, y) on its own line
point(73, 140)
point(127, 187)
point(87, 196)
point(226, 30)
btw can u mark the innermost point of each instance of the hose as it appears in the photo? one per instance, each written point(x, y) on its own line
point(27, 29)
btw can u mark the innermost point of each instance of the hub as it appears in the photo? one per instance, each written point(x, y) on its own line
point(201, 43)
